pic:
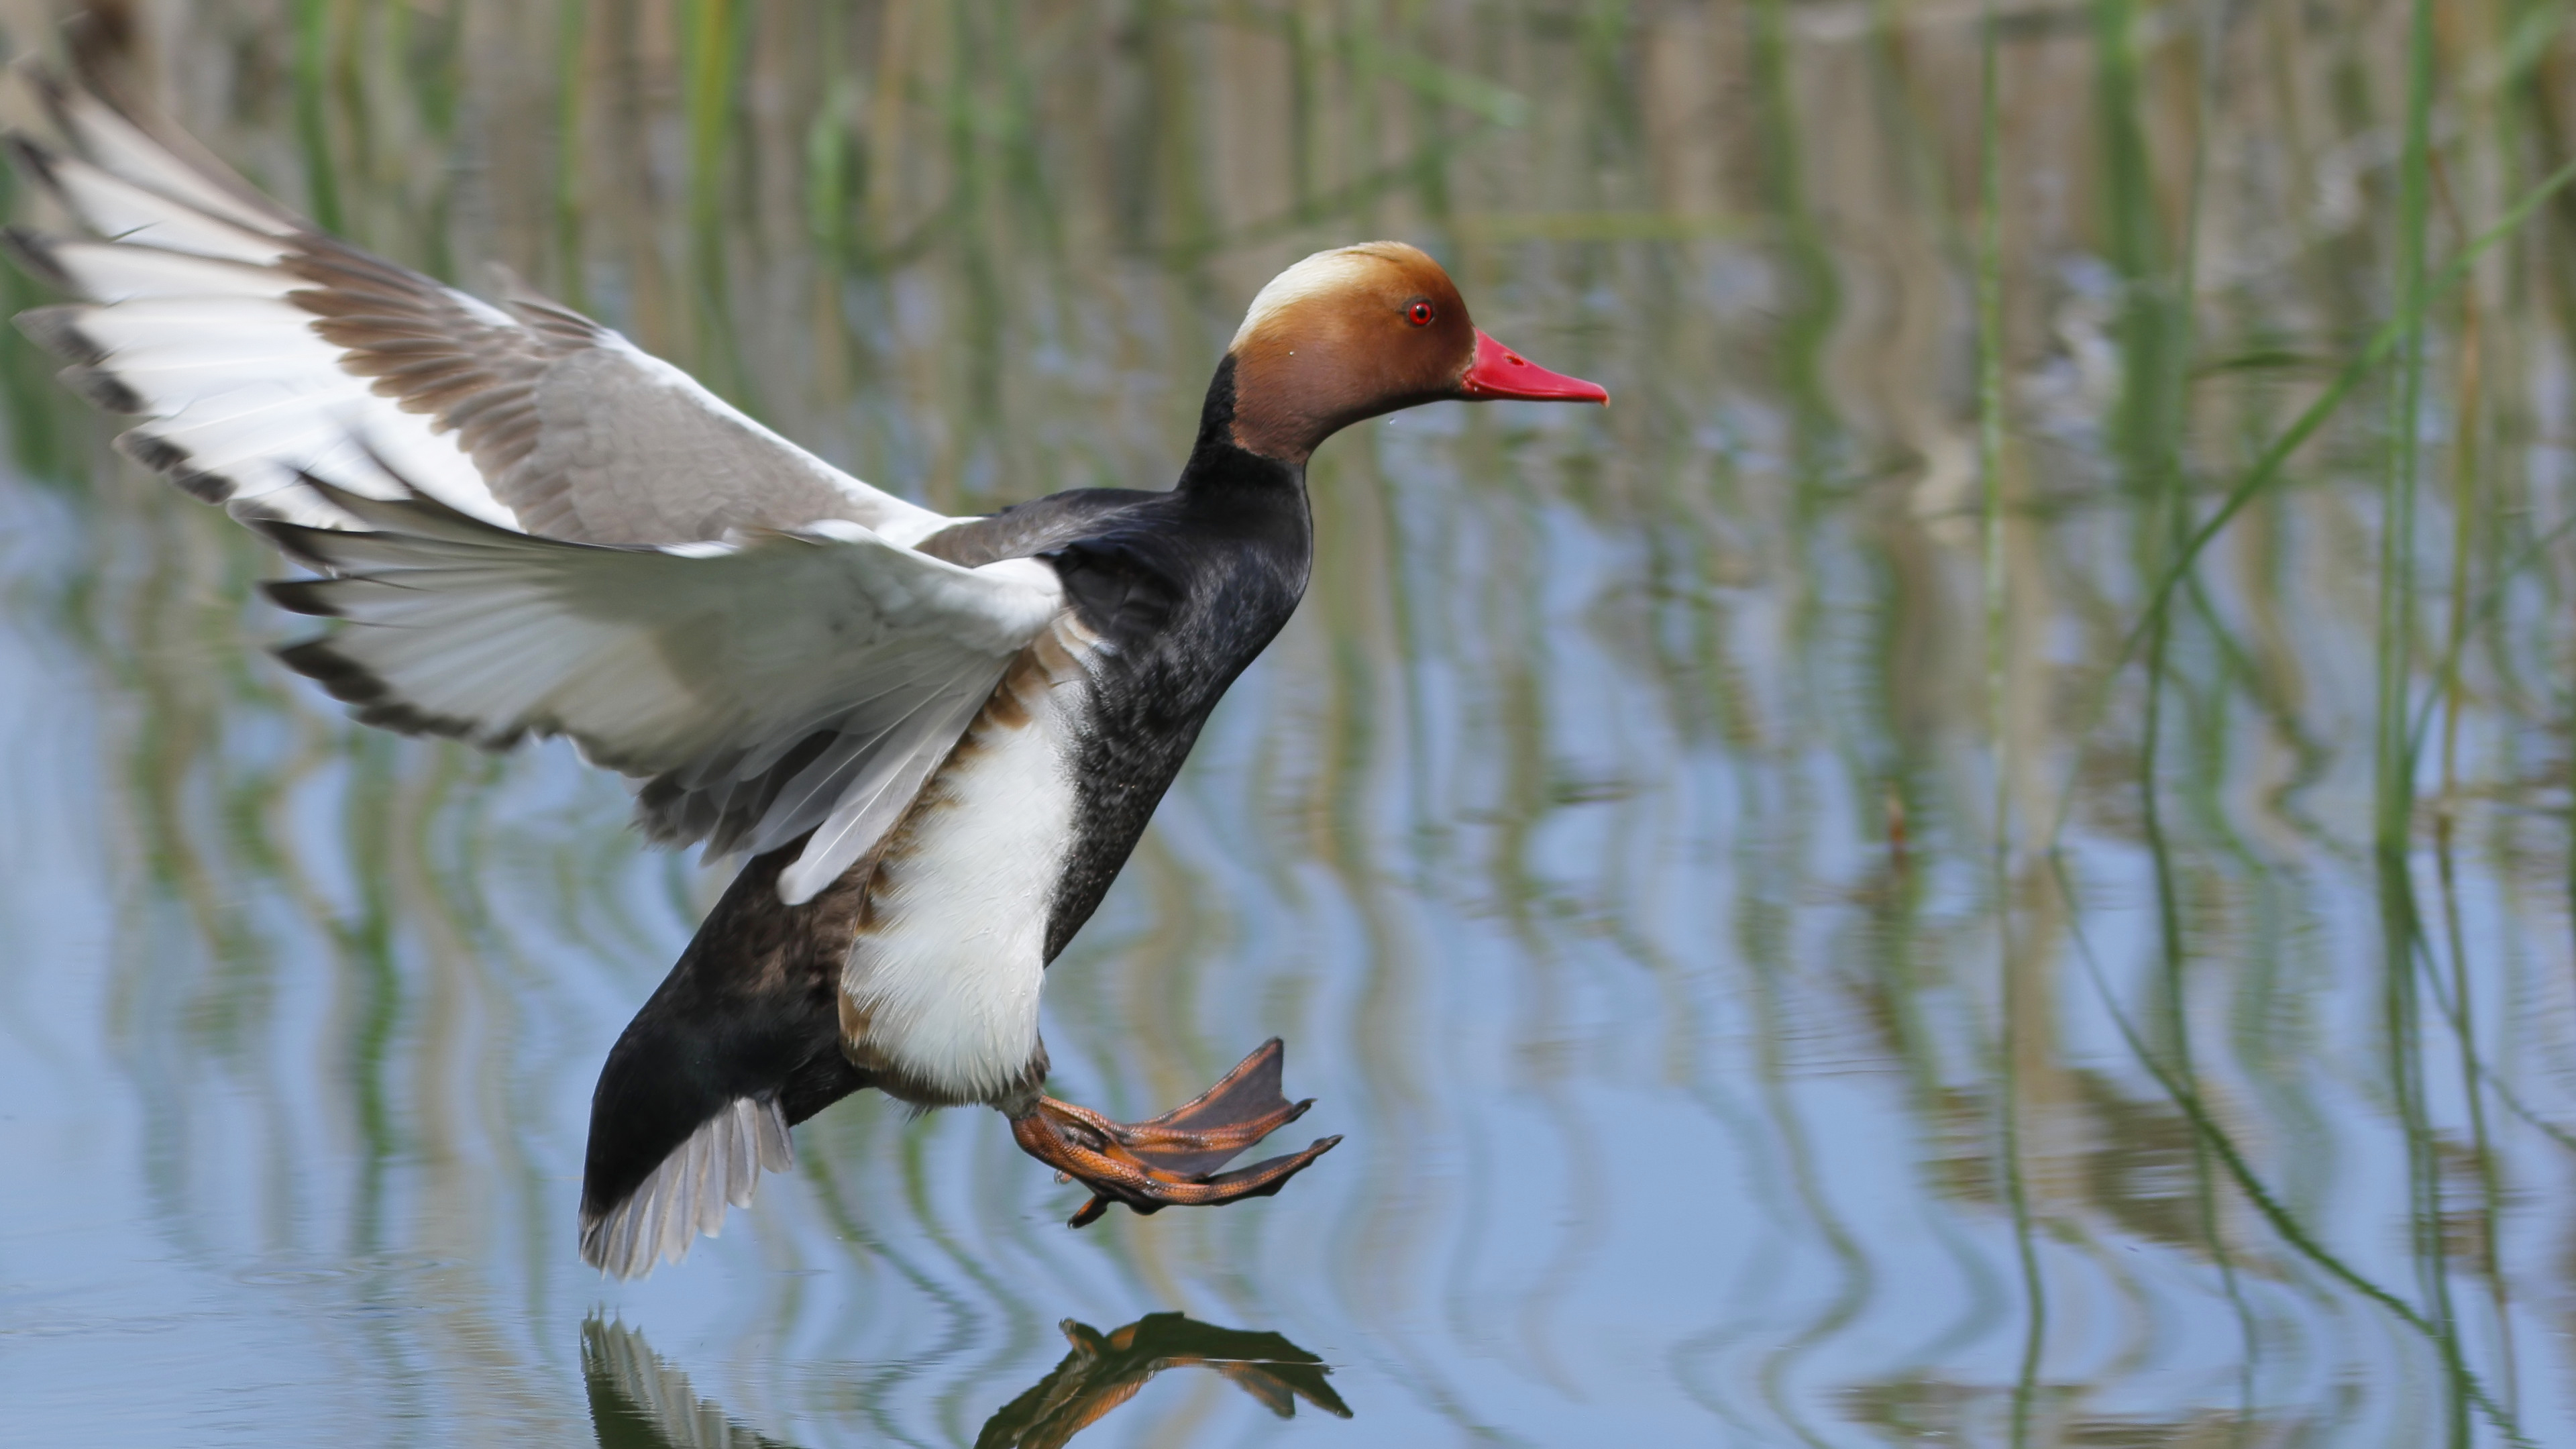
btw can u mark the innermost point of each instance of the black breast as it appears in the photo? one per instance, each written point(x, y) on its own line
point(1184, 589)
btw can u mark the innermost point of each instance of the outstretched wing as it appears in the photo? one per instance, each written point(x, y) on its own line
point(506, 473)
point(766, 686)
point(256, 348)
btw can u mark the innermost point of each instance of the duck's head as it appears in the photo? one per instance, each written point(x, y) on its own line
point(1364, 330)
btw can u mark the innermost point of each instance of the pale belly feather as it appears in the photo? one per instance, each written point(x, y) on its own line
point(939, 992)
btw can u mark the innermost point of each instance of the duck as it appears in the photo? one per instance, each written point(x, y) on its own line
point(932, 742)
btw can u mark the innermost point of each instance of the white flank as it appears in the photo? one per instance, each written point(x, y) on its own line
point(947, 980)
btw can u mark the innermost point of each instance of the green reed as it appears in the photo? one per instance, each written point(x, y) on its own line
point(314, 34)
point(2394, 786)
point(2159, 344)
point(1996, 603)
point(570, 278)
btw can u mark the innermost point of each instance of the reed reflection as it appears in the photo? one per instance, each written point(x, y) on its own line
point(639, 1401)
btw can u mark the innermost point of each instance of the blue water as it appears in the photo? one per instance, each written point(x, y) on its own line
point(1610, 837)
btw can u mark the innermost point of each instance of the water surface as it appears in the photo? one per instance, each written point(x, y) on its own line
point(1753, 1020)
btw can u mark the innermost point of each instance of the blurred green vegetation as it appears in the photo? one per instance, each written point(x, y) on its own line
point(2069, 610)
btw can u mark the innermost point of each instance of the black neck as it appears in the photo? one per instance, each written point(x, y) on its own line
point(1218, 463)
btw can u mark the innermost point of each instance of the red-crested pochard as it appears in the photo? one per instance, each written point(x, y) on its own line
point(936, 739)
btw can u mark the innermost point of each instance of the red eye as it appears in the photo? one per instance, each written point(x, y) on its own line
point(1419, 314)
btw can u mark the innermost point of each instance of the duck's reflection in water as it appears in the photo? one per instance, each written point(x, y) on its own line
point(1105, 1370)
point(637, 1401)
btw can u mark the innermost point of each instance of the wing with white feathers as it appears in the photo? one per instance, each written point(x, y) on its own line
point(257, 348)
point(506, 471)
point(768, 686)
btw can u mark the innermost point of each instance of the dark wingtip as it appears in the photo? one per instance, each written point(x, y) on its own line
point(57, 329)
point(374, 702)
point(151, 450)
point(35, 159)
point(293, 539)
point(252, 512)
point(33, 251)
point(178, 464)
point(204, 487)
point(338, 675)
point(104, 390)
point(310, 597)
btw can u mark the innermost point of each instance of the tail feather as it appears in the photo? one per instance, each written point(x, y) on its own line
point(685, 1197)
point(741, 1042)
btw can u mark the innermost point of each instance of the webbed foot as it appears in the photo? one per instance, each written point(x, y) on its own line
point(1172, 1160)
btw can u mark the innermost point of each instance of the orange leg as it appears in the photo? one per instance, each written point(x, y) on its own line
point(1172, 1160)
